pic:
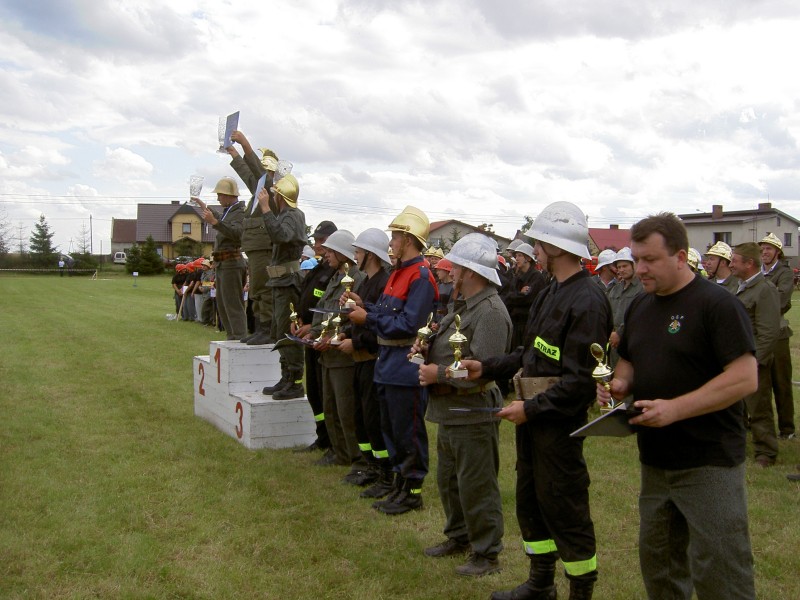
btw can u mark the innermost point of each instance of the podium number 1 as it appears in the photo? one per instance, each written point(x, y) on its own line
point(219, 366)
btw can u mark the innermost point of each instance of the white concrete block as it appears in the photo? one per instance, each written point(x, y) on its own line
point(227, 394)
point(235, 362)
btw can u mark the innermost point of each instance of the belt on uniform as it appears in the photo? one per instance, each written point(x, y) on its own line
point(527, 387)
point(363, 356)
point(221, 255)
point(284, 269)
point(403, 342)
point(444, 389)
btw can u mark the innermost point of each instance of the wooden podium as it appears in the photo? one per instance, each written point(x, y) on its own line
point(227, 394)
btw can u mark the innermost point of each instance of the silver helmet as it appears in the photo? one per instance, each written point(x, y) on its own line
point(478, 253)
point(563, 225)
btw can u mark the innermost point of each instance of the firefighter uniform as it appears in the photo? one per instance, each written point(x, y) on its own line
point(552, 496)
point(780, 275)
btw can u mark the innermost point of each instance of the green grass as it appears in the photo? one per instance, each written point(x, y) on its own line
point(111, 488)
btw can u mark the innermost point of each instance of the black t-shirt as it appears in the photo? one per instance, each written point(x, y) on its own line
point(676, 344)
point(179, 279)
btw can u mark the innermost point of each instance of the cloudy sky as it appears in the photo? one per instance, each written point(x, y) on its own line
point(476, 110)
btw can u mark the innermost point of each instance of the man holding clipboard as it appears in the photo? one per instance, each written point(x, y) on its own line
point(686, 355)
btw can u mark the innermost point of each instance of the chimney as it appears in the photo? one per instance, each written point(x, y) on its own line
point(613, 226)
point(716, 211)
point(764, 206)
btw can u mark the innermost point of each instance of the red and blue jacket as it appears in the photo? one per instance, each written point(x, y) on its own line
point(401, 310)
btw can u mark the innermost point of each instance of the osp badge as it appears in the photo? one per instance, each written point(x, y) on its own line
point(675, 325)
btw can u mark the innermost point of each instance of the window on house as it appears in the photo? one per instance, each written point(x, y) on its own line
point(186, 228)
point(787, 239)
point(722, 236)
point(778, 218)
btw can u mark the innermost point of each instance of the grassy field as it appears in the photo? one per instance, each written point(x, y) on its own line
point(111, 488)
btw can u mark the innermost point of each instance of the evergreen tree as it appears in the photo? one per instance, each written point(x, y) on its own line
point(151, 261)
point(188, 247)
point(133, 262)
point(454, 235)
point(42, 251)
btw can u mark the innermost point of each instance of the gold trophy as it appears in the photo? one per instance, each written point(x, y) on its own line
point(602, 372)
point(458, 339)
point(337, 323)
point(348, 282)
point(422, 336)
point(325, 329)
point(293, 316)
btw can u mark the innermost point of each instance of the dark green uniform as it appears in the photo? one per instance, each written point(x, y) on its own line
point(256, 242)
point(288, 233)
point(230, 267)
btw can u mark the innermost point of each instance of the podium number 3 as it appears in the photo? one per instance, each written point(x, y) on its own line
point(239, 428)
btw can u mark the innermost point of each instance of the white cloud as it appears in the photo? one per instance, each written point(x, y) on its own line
point(469, 109)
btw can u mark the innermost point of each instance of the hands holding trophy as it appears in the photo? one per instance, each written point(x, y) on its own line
point(458, 339)
point(602, 373)
point(325, 328)
point(337, 324)
point(423, 333)
point(195, 187)
point(348, 281)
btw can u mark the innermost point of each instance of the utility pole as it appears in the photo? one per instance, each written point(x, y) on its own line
point(91, 237)
point(21, 241)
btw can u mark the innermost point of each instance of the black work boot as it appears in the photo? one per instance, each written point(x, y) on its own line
point(382, 487)
point(479, 565)
point(394, 491)
point(284, 381)
point(294, 389)
point(247, 338)
point(449, 547)
point(363, 476)
point(582, 587)
point(409, 498)
point(261, 336)
point(540, 584)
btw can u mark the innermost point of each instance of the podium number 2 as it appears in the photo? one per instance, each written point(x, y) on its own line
point(219, 367)
point(201, 369)
point(240, 412)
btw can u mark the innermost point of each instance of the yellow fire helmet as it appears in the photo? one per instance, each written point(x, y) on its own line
point(413, 222)
point(434, 252)
point(693, 259)
point(773, 240)
point(227, 186)
point(722, 250)
point(288, 189)
point(269, 163)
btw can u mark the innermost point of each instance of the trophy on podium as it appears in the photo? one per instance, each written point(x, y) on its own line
point(602, 373)
point(348, 282)
point(458, 339)
point(422, 335)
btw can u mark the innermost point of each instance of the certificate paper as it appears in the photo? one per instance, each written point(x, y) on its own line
point(231, 125)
